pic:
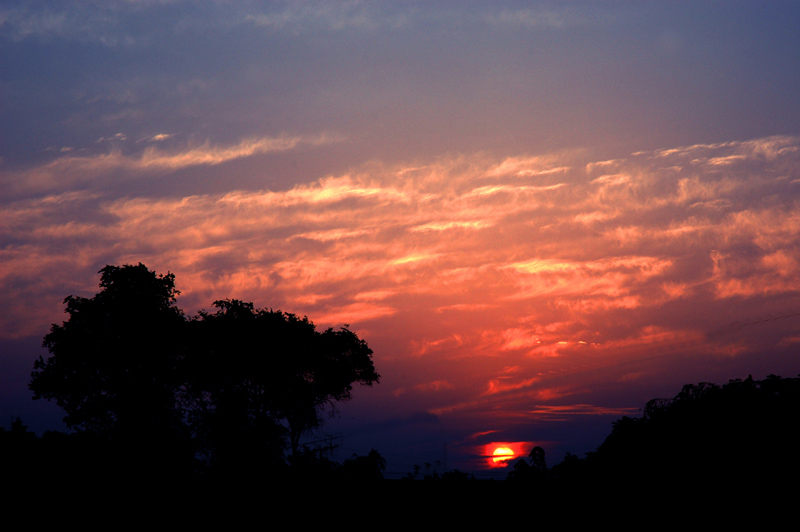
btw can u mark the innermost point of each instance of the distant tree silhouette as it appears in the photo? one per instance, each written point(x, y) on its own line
point(536, 471)
point(538, 462)
point(364, 468)
point(736, 438)
point(743, 433)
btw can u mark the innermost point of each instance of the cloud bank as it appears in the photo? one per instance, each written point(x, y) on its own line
point(526, 270)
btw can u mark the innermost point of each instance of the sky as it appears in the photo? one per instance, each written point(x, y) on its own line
point(539, 215)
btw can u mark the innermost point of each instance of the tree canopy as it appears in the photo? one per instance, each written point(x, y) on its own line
point(113, 363)
point(232, 385)
point(739, 435)
point(256, 367)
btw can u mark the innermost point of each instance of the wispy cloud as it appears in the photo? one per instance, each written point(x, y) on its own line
point(302, 17)
point(69, 169)
point(462, 267)
point(116, 23)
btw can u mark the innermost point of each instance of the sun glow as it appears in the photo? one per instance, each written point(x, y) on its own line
point(502, 454)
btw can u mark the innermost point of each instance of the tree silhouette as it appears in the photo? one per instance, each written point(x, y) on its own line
point(735, 436)
point(113, 364)
point(536, 471)
point(156, 391)
point(255, 367)
point(233, 384)
point(538, 462)
point(364, 468)
point(321, 374)
point(150, 391)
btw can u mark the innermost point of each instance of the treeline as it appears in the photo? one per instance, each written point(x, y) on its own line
point(743, 433)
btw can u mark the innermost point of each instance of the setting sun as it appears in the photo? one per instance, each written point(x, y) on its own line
point(502, 454)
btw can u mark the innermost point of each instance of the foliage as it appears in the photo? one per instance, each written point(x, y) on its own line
point(228, 387)
point(113, 362)
point(254, 367)
point(738, 435)
point(741, 433)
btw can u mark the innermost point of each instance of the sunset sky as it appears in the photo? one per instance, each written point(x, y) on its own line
point(539, 215)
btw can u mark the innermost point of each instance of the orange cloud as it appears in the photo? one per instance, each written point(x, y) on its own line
point(503, 285)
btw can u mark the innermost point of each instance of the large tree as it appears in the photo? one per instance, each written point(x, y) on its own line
point(260, 366)
point(114, 369)
point(229, 386)
point(113, 363)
